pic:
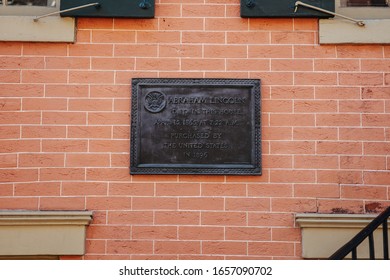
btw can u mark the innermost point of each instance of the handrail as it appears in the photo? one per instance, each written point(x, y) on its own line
point(368, 231)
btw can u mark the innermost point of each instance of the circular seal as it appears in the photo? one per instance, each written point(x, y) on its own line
point(155, 101)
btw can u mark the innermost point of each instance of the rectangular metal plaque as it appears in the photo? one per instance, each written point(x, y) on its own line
point(195, 126)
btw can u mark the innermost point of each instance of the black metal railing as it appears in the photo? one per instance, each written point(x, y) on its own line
point(367, 232)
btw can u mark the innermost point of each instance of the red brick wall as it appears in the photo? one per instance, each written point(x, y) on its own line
point(65, 125)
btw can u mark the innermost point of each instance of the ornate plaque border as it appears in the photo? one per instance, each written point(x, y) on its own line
point(253, 168)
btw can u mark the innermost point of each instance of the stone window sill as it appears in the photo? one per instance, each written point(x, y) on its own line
point(27, 233)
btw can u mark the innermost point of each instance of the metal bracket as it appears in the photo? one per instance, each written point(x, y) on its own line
point(299, 3)
point(97, 5)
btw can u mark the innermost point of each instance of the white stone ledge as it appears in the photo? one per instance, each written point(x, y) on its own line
point(324, 234)
point(26, 233)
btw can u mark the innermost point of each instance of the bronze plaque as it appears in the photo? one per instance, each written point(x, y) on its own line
point(195, 126)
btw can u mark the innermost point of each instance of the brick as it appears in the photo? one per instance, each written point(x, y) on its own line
point(339, 176)
point(289, 176)
point(120, 160)
point(6, 190)
point(95, 23)
point(62, 203)
point(292, 92)
point(92, 132)
point(224, 218)
point(362, 134)
point(177, 247)
point(223, 24)
point(314, 51)
point(180, 51)
point(111, 146)
point(67, 91)
point(338, 120)
point(247, 64)
point(376, 120)
point(19, 203)
point(67, 63)
point(204, 37)
point(109, 36)
point(277, 133)
point(274, 51)
point(177, 189)
point(135, 24)
point(91, 77)
point(189, 10)
point(100, 63)
point(201, 203)
point(375, 65)
point(108, 118)
point(43, 131)
point(64, 118)
point(201, 233)
point(364, 192)
point(59, 174)
point(286, 234)
point(294, 205)
point(12, 76)
point(177, 218)
point(44, 104)
point(316, 162)
point(317, 190)
point(271, 248)
point(336, 65)
point(337, 92)
point(108, 174)
point(201, 178)
point(270, 219)
point(277, 106)
point(248, 233)
point(168, 9)
point(375, 93)
point(315, 106)
point(168, 64)
point(223, 51)
point(130, 217)
point(277, 161)
point(122, 104)
point(19, 146)
point(154, 232)
point(129, 247)
point(363, 51)
point(315, 78)
point(14, 104)
point(87, 160)
point(84, 188)
point(362, 79)
point(88, 49)
point(270, 190)
point(10, 132)
point(376, 177)
point(273, 78)
point(210, 64)
point(21, 90)
point(95, 246)
point(108, 232)
point(288, 37)
point(44, 76)
point(274, 24)
point(37, 189)
point(8, 160)
point(363, 162)
point(292, 65)
point(305, 24)
point(317, 133)
point(135, 50)
point(251, 37)
point(247, 204)
point(292, 120)
point(292, 147)
point(44, 49)
point(224, 248)
point(340, 147)
point(154, 203)
point(108, 203)
point(11, 48)
point(64, 145)
point(131, 189)
point(211, 189)
point(41, 160)
point(20, 117)
point(340, 206)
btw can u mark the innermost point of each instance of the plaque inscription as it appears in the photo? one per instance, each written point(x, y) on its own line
point(195, 126)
